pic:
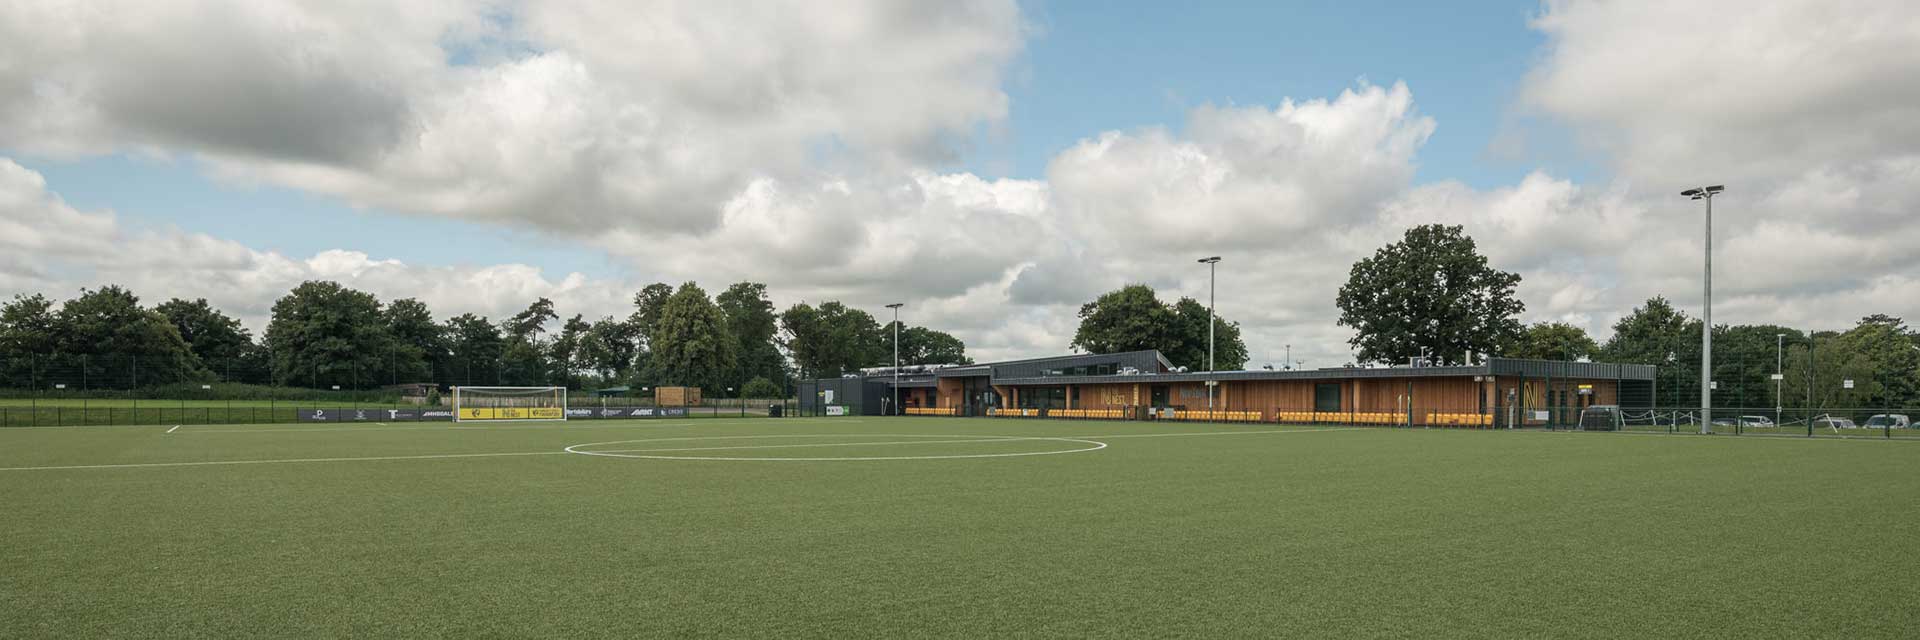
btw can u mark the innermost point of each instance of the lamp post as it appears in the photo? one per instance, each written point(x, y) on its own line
point(1212, 265)
point(1779, 373)
point(896, 356)
point(1289, 360)
point(1706, 315)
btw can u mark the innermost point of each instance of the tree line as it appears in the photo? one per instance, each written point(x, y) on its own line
point(1433, 295)
point(322, 334)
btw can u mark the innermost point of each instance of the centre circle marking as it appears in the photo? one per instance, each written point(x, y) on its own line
point(645, 454)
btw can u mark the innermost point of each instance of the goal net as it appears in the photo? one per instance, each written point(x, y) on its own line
point(509, 404)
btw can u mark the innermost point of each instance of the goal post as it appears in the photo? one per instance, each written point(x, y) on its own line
point(509, 404)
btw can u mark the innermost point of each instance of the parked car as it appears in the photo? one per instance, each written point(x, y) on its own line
point(1830, 422)
point(1756, 421)
point(1886, 420)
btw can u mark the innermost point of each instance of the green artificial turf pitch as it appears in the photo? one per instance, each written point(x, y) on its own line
point(1168, 530)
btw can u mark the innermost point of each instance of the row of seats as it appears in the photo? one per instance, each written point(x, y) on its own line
point(1342, 417)
point(1461, 419)
point(1108, 414)
point(1017, 413)
point(1218, 416)
point(1384, 418)
point(931, 411)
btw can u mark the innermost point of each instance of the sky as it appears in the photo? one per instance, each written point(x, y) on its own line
point(992, 164)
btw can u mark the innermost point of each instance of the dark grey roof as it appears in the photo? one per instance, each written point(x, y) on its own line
point(1562, 369)
point(1032, 371)
point(1233, 376)
point(1148, 360)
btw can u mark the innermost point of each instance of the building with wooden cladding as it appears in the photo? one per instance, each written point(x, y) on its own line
point(1498, 392)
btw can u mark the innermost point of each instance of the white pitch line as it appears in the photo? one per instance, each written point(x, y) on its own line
point(828, 444)
point(646, 423)
point(174, 427)
point(210, 463)
point(1213, 433)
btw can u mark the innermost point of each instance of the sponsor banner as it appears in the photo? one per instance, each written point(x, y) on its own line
point(836, 410)
point(435, 414)
point(359, 415)
point(673, 412)
point(582, 414)
point(610, 412)
point(320, 415)
point(513, 413)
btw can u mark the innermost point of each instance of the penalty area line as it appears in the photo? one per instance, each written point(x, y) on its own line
point(174, 427)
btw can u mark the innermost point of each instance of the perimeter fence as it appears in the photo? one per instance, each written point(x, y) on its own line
point(81, 390)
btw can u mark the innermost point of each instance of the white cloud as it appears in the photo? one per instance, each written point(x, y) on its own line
point(50, 247)
point(797, 145)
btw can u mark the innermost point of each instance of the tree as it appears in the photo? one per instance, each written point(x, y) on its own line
point(1887, 348)
point(1816, 373)
point(648, 305)
point(1190, 326)
point(475, 347)
point(920, 345)
point(27, 333)
point(609, 348)
point(831, 339)
point(109, 324)
point(751, 321)
point(1431, 294)
point(325, 334)
point(691, 345)
point(27, 325)
point(1658, 334)
point(218, 340)
point(419, 350)
point(523, 362)
point(565, 353)
point(1554, 341)
point(761, 388)
point(1743, 364)
point(1132, 318)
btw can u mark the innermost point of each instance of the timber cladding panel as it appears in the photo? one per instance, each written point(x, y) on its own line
point(952, 392)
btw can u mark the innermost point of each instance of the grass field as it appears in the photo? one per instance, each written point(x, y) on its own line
point(953, 528)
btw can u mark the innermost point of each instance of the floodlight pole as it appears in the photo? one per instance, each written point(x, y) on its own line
point(1706, 315)
point(1212, 264)
point(896, 355)
point(1779, 370)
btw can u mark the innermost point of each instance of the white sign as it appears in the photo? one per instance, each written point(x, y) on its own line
point(1777, 377)
point(1540, 415)
point(1846, 384)
point(1716, 385)
point(336, 387)
point(206, 386)
point(829, 398)
point(60, 386)
point(836, 410)
point(1213, 383)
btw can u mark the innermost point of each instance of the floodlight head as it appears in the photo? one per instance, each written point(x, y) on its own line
point(896, 305)
point(1704, 192)
point(1211, 260)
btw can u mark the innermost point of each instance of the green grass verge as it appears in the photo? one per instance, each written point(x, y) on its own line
point(1191, 530)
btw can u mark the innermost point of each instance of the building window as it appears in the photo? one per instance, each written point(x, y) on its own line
point(1326, 397)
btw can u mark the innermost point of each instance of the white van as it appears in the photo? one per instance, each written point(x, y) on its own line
point(1886, 420)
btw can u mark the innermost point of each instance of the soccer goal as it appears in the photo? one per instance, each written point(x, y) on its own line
point(509, 404)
